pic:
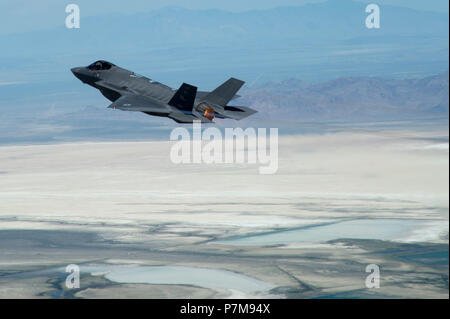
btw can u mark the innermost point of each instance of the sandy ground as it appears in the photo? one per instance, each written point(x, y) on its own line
point(130, 193)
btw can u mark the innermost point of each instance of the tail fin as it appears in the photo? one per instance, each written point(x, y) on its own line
point(224, 93)
point(184, 98)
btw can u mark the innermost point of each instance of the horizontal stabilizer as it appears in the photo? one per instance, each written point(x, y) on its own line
point(237, 112)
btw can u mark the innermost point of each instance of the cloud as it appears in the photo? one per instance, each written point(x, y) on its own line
point(11, 83)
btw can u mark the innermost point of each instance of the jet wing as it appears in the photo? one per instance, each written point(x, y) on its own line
point(139, 103)
point(181, 117)
point(110, 86)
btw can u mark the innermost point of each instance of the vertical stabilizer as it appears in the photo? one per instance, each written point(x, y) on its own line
point(184, 98)
point(224, 93)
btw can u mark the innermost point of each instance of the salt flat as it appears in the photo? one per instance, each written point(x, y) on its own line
point(129, 194)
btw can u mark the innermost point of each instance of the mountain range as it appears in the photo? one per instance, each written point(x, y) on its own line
point(352, 99)
point(286, 104)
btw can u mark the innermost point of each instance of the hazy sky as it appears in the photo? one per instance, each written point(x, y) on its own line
point(27, 15)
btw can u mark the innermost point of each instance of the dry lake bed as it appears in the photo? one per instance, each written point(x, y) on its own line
point(140, 226)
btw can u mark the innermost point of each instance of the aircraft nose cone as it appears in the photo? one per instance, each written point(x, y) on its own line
point(83, 75)
point(75, 71)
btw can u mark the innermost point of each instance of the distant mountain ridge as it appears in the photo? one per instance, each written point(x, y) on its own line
point(352, 99)
point(280, 104)
point(331, 20)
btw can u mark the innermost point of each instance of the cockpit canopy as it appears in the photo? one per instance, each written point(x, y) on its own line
point(100, 65)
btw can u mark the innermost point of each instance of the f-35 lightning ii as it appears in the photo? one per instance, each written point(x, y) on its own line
point(133, 92)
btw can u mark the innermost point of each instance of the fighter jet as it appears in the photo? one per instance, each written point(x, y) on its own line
point(130, 91)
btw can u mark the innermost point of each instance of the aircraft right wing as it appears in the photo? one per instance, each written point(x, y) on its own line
point(138, 103)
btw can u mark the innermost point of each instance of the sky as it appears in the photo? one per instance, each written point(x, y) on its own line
point(28, 15)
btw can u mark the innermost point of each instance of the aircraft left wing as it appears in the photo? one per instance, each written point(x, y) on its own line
point(138, 103)
point(101, 85)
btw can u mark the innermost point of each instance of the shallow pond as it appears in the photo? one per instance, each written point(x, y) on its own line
point(178, 275)
point(384, 229)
